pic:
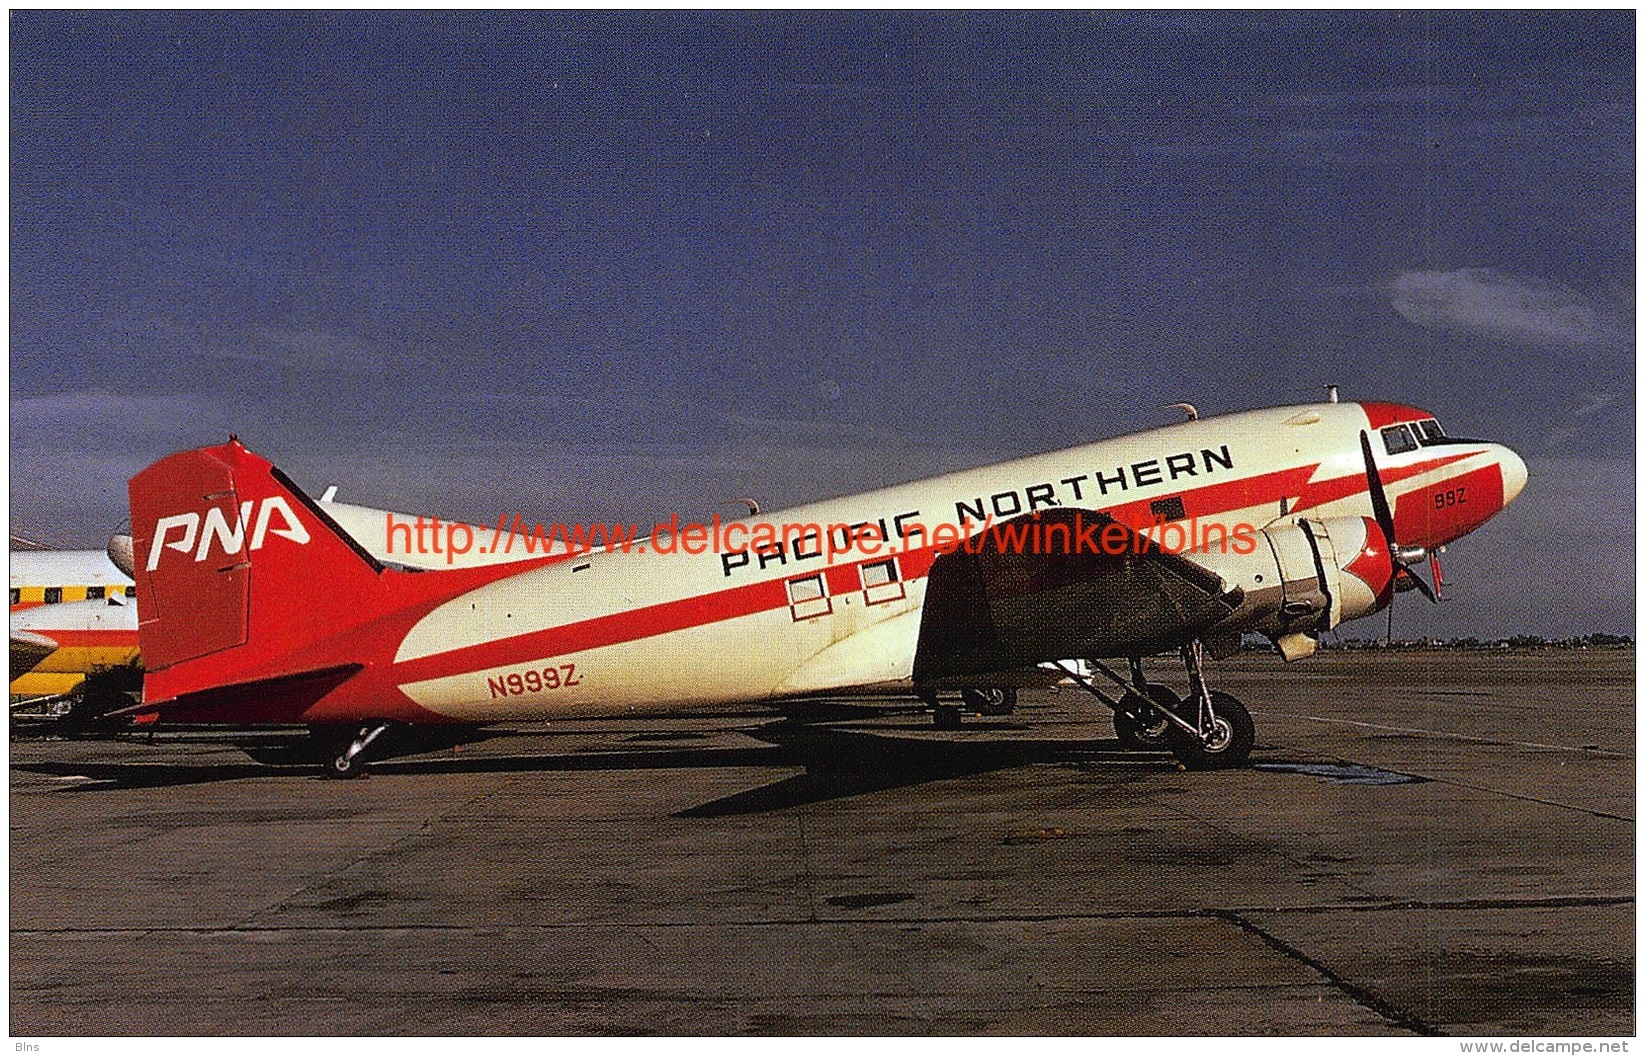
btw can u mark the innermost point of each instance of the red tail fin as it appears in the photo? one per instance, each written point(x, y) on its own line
point(255, 606)
point(235, 568)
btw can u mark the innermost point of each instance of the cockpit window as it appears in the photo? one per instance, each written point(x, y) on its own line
point(1397, 440)
point(1429, 432)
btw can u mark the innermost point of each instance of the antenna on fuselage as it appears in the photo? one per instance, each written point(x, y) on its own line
point(1330, 394)
point(1188, 409)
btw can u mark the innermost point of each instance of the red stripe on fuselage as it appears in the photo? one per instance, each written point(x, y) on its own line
point(1328, 491)
point(612, 629)
point(750, 599)
point(1381, 414)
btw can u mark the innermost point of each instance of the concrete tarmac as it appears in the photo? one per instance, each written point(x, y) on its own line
point(1427, 843)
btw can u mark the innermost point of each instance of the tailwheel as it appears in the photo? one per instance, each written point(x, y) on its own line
point(1138, 722)
point(350, 762)
point(992, 701)
point(344, 766)
point(1224, 739)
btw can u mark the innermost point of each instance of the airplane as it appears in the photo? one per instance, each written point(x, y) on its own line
point(71, 620)
point(259, 609)
point(74, 660)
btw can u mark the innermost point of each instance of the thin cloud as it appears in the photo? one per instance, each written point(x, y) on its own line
point(1573, 419)
point(1485, 302)
point(300, 348)
point(81, 418)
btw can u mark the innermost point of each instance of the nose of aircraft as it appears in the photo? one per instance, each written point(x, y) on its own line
point(1513, 473)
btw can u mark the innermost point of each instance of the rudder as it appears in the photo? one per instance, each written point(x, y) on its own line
point(240, 576)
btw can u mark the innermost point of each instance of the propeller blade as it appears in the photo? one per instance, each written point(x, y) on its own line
point(1379, 497)
point(1421, 584)
point(1385, 521)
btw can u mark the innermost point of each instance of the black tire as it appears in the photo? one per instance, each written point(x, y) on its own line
point(1231, 746)
point(946, 716)
point(992, 701)
point(1140, 727)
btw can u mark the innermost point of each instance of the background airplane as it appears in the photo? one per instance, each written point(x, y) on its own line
point(71, 618)
point(76, 660)
point(49, 577)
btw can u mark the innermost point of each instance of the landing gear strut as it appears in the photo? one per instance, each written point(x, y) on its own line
point(1223, 733)
point(351, 761)
point(1208, 731)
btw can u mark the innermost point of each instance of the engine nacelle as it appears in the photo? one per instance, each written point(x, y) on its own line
point(1305, 578)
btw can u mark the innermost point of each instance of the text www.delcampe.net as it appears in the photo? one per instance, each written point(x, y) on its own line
point(1079, 533)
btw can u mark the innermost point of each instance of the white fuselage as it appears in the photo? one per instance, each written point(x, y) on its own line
point(648, 630)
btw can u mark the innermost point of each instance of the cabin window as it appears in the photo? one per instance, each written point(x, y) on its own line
point(1397, 439)
point(131, 592)
point(54, 595)
point(1168, 509)
point(16, 595)
point(808, 597)
point(880, 582)
point(94, 593)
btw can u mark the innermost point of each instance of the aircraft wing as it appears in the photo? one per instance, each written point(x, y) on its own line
point(28, 651)
point(90, 634)
point(1011, 604)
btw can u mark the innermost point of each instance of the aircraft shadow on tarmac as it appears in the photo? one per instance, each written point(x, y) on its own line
point(836, 762)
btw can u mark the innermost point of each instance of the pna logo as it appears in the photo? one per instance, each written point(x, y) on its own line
point(273, 515)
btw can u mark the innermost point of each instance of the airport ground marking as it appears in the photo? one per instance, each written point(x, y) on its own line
point(1598, 752)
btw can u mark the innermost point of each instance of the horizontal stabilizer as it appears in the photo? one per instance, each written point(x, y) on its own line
point(283, 698)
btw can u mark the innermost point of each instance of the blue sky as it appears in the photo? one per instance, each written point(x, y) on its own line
point(601, 266)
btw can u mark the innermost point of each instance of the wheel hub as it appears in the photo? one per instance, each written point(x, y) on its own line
point(1219, 736)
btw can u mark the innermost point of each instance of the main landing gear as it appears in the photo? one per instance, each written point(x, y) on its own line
point(1209, 731)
